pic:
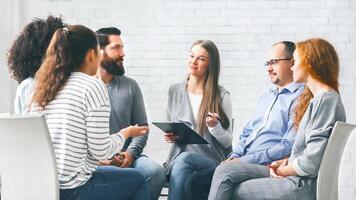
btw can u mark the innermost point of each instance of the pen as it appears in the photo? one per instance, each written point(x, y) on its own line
point(208, 114)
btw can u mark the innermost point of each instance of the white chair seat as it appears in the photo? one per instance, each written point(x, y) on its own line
point(27, 166)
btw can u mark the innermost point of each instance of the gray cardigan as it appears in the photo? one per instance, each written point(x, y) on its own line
point(180, 110)
point(313, 134)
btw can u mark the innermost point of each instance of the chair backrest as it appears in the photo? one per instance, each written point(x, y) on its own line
point(327, 183)
point(27, 166)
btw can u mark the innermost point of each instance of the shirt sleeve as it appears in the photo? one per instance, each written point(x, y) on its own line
point(101, 145)
point(224, 136)
point(238, 150)
point(322, 122)
point(138, 116)
point(23, 96)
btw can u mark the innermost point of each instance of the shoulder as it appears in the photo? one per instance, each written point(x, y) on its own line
point(25, 87)
point(329, 98)
point(328, 102)
point(223, 91)
point(89, 84)
point(129, 81)
point(176, 88)
point(26, 84)
point(126, 79)
point(92, 82)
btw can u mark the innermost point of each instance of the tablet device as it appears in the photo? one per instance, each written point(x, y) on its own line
point(185, 133)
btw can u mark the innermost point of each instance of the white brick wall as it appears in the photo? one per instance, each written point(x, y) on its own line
point(158, 34)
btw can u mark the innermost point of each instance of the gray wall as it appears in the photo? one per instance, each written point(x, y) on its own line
point(158, 34)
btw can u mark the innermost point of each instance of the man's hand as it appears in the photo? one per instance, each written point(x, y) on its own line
point(231, 160)
point(117, 160)
point(127, 159)
point(134, 131)
point(104, 162)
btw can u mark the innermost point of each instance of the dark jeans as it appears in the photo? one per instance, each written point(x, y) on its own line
point(198, 184)
point(110, 183)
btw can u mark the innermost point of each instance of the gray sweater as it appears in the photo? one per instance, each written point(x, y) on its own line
point(313, 134)
point(127, 108)
point(180, 110)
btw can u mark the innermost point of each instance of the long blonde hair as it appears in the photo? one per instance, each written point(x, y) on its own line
point(211, 101)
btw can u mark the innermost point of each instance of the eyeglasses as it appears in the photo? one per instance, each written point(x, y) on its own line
point(275, 61)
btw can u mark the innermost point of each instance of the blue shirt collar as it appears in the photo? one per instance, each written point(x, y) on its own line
point(292, 87)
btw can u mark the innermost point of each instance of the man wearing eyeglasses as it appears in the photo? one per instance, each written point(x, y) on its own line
point(269, 134)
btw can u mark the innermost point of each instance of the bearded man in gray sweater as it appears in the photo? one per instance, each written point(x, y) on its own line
point(128, 111)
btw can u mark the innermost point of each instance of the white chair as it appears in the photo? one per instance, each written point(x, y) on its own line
point(27, 166)
point(327, 183)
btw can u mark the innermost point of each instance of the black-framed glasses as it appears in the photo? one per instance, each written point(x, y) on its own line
point(275, 61)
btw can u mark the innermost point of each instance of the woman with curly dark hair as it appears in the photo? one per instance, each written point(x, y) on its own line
point(26, 54)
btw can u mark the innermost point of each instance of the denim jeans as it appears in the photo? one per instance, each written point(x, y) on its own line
point(183, 167)
point(197, 186)
point(154, 174)
point(110, 183)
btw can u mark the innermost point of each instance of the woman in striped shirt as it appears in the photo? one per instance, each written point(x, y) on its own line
point(77, 110)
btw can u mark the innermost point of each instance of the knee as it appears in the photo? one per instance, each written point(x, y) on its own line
point(181, 163)
point(183, 157)
point(158, 173)
point(222, 170)
point(136, 175)
point(151, 169)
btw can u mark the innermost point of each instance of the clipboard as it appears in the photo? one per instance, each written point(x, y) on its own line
point(186, 134)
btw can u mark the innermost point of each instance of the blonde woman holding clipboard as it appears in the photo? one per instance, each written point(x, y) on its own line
point(203, 105)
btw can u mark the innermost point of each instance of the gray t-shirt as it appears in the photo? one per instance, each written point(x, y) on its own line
point(127, 108)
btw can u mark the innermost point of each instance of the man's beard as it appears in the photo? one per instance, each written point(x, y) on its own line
point(113, 66)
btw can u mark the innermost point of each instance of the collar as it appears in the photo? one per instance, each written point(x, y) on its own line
point(292, 87)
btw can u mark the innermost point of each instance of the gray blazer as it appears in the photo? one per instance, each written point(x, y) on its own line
point(180, 110)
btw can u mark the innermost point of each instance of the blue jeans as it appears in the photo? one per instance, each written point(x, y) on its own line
point(110, 183)
point(183, 167)
point(154, 174)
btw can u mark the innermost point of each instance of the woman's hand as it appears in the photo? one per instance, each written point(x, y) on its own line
point(275, 166)
point(212, 119)
point(170, 137)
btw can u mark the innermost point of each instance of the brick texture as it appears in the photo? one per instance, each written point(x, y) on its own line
point(158, 35)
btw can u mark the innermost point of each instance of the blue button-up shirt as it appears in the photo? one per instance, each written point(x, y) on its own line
point(270, 134)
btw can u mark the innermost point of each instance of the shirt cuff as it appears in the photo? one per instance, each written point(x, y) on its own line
point(216, 129)
point(234, 155)
point(133, 152)
point(297, 168)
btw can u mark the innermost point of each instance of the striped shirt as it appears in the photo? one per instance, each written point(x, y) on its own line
point(78, 121)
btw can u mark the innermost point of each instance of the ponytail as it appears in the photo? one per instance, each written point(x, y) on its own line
point(65, 54)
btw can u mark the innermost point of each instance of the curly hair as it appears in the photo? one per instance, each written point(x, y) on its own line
point(26, 53)
point(321, 61)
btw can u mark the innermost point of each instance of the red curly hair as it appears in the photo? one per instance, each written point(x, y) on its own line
point(321, 61)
